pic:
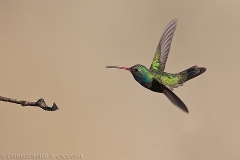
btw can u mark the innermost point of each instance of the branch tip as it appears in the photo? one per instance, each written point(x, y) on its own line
point(40, 103)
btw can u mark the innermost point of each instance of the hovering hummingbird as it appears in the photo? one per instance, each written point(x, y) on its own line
point(155, 79)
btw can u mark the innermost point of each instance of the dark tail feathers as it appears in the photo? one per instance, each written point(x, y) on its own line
point(192, 72)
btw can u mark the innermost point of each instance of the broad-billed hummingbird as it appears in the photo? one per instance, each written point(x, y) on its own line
point(155, 79)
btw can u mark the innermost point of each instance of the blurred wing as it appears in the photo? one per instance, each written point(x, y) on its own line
point(172, 97)
point(163, 48)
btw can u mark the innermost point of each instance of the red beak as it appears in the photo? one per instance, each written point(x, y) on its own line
point(125, 68)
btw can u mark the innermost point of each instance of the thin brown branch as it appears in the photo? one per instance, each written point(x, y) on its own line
point(40, 103)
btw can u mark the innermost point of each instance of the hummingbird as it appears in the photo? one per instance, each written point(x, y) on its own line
point(155, 79)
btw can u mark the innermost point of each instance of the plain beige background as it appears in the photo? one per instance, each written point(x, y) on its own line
point(58, 50)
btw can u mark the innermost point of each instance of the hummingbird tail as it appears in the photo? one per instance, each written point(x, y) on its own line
point(192, 72)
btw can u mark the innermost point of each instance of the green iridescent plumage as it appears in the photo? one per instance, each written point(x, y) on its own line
point(155, 79)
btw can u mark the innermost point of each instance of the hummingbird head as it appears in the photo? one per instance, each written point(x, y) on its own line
point(140, 73)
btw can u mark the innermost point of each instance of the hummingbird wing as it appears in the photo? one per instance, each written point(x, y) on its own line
point(163, 48)
point(171, 96)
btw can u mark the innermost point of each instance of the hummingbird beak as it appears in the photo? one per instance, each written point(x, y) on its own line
point(125, 68)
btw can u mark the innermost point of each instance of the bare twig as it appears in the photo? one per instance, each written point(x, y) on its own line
point(40, 103)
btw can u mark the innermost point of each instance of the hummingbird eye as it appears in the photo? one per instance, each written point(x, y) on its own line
point(135, 70)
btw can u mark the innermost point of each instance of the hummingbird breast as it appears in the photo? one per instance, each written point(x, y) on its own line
point(143, 79)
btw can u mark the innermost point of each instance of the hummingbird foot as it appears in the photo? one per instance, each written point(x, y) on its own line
point(176, 86)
